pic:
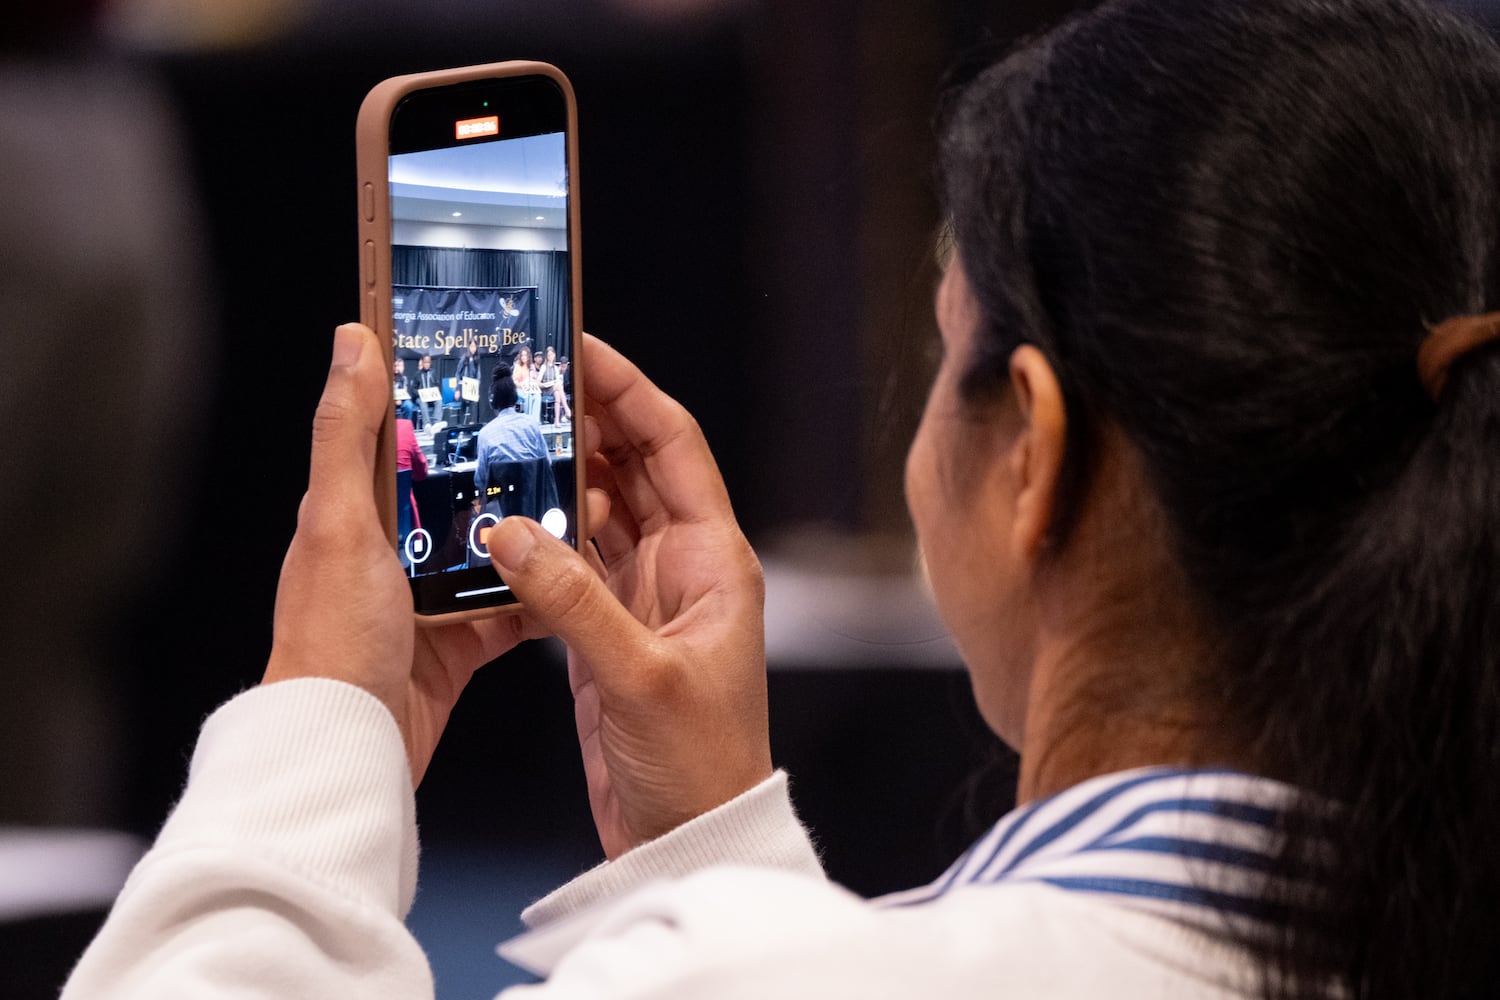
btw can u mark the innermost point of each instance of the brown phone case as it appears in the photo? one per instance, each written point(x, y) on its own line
point(372, 146)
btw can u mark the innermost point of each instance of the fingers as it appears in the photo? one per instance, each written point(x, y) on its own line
point(347, 424)
point(617, 537)
point(591, 434)
point(596, 563)
point(665, 464)
point(463, 647)
point(617, 534)
point(561, 592)
point(597, 504)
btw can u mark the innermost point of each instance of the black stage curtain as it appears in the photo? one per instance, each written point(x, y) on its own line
point(448, 267)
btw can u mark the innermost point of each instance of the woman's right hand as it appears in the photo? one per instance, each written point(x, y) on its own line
point(665, 630)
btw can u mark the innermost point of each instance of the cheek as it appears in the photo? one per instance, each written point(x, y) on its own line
point(941, 514)
point(960, 521)
point(923, 497)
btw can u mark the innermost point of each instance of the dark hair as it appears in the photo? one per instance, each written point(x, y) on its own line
point(502, 388)
point(1229, 226)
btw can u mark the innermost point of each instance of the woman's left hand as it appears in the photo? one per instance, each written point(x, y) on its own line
point(343, 606)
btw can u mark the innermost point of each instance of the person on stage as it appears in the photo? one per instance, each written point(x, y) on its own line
point(550, 381)
point(429, 414)
point(401, 389)
point(528, 389)
point(468, 367)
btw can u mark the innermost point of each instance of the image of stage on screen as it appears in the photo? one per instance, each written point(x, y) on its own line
point(482, 379)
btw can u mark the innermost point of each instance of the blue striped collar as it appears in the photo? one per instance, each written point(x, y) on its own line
point(1192, 845)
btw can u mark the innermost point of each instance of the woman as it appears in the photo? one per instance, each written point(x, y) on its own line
point(1207, 489)
point(1246, 341)
point(551, 381)
point(526, 385)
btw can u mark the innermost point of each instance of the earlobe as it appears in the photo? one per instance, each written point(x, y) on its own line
point(1040, 447)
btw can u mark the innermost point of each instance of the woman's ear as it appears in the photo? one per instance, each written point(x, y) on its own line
point(1037, 457)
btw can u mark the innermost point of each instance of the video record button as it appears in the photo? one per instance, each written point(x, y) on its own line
point(479, 534)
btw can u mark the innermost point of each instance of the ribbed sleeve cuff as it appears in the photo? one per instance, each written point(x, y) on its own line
point(759, 828)
point(311, 774)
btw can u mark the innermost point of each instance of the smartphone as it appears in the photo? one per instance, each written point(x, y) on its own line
point(468, 233)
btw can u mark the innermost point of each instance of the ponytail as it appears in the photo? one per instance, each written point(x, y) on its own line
point(1400, 755)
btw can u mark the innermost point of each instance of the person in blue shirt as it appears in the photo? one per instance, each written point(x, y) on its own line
point(512, 473)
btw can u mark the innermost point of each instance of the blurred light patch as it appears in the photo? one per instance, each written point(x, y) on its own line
point(677, 10)
point(51, 871)
point(178, 25)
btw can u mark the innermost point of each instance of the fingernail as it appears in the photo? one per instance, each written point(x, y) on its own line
point(510, 541)
point(348, 341)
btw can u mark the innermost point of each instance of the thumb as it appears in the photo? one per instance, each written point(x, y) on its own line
point(350, 412)
point(561, 592)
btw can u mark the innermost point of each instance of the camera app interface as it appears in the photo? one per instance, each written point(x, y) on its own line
point(482, 381)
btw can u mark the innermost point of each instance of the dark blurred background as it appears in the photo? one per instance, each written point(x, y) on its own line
point(758, 215)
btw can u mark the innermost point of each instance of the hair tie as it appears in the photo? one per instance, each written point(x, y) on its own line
point(1449, 341)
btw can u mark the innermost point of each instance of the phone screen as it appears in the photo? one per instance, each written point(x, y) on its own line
point(482, 376)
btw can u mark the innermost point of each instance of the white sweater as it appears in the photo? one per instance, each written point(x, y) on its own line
point(288, 866)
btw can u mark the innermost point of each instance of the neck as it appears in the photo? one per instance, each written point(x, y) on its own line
point(1090, 715)
point(1061, 763)
point(1122, 666)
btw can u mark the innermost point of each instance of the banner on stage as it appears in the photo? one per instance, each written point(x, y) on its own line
point(446, 321)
